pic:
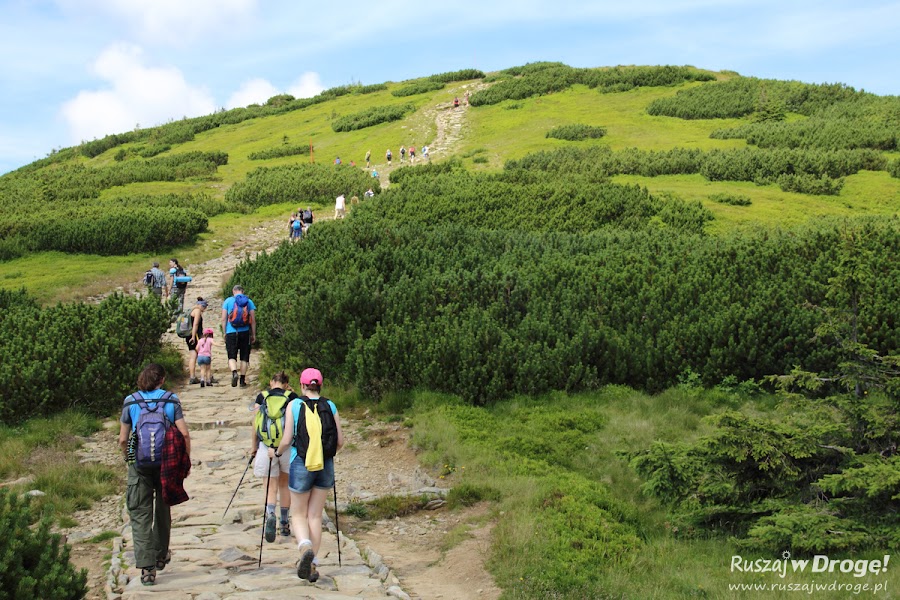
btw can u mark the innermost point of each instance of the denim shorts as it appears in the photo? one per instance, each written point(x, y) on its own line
point(204, 360)
point(302, 481)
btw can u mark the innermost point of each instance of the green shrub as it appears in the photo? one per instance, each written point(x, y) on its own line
point(461, 75)
point(77, 355)
point(731, 199)
point(299, 183)
point(418, 87)
point(33, 561)
point(804, 183)
point(576, 132)
point(371, 88)
point(280, 151)
point(372, 116)
point(466, 494)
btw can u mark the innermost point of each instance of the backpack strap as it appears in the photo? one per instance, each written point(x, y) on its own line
point(166, 398)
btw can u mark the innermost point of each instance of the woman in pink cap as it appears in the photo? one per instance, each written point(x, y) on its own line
point(313, 441)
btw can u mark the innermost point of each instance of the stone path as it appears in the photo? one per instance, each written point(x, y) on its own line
point(215, 558)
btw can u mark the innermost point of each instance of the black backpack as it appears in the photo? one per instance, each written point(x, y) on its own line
point(148, 278)
point(329, 428)
point(307, 216)
point(180, 272)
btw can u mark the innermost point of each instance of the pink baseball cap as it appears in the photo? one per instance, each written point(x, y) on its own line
point(209, 331)
point(311, 376)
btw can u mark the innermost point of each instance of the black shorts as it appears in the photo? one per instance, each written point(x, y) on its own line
point(191, 344)
point(238, 343)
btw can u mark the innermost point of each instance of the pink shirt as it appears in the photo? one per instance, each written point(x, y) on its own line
point(204, 346)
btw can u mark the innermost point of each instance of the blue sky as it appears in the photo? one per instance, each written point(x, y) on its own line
point(74, 70)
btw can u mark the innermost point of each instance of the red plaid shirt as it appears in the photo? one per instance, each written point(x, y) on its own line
point(176, 465)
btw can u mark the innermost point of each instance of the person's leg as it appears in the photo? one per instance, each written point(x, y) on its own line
point(244, 347)
point(299, 508)
point(162, 522)
point(315, 506)
point(139, 501)
point(231, 348)
point(284, 496)
point(192, 363)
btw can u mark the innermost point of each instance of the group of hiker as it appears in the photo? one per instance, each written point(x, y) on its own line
point(299, 223)
point(404, 152)
point(156, 281)
point(294, 441)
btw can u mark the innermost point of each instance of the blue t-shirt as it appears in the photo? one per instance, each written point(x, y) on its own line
point(227, 306)
point(297, 420)
point(131, 414)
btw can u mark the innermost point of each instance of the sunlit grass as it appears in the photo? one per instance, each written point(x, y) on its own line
point(43, 450)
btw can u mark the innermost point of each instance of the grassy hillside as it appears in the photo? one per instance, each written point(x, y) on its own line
point(489, 135)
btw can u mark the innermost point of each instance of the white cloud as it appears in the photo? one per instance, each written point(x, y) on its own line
point(136, 94)
point(308, 85)
point(255, 91)
point(169, 21)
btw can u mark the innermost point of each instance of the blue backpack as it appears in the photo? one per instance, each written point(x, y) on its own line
point(150, 431)
point(240, 312)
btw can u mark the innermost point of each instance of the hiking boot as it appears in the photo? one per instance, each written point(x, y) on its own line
point(212, 380)
point(202, 383)
point(193, 380)
point(234, 378)
point(286, 528)
point(304, 565)
point(243, 384)
point(313, 575)
point(270, 527)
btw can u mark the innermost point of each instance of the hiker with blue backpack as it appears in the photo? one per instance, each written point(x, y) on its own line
point(154, 437)
point(268, 427)
point(180, 280)
point(313, 435)
point(239, 325)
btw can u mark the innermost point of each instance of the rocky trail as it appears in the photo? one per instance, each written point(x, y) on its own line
point(216, 558)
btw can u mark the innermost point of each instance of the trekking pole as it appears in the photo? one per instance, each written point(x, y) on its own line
point(337, 526)
point(238, 487)
point(265, 500)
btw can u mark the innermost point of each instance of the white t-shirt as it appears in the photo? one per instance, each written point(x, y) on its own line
point(339, 203)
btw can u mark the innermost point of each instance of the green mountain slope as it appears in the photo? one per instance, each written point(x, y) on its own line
point(128, 177)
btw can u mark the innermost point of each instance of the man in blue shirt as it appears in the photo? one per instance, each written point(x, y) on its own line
point(239, 320)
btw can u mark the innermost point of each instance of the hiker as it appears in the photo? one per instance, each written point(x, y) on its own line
point(239, 324)
point(388, 156)
point(204, 356)
point(425, 153)
point(151, 488)
point(313, 443)
point(296, 227)
point(374, 173)
point(402, 153)
point(456, 102)
point(307, 218)
point(340, 207)
point(179, 281)
point(268, 426)
point(369, 193)
point(337, 160)
point(467, 97)
point(157, 281)
point(196, 332)
point(368, 156)
point(412, 155)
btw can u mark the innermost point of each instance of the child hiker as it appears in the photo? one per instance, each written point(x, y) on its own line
point(268, 427)
point(204, 357)
point(313, 436)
